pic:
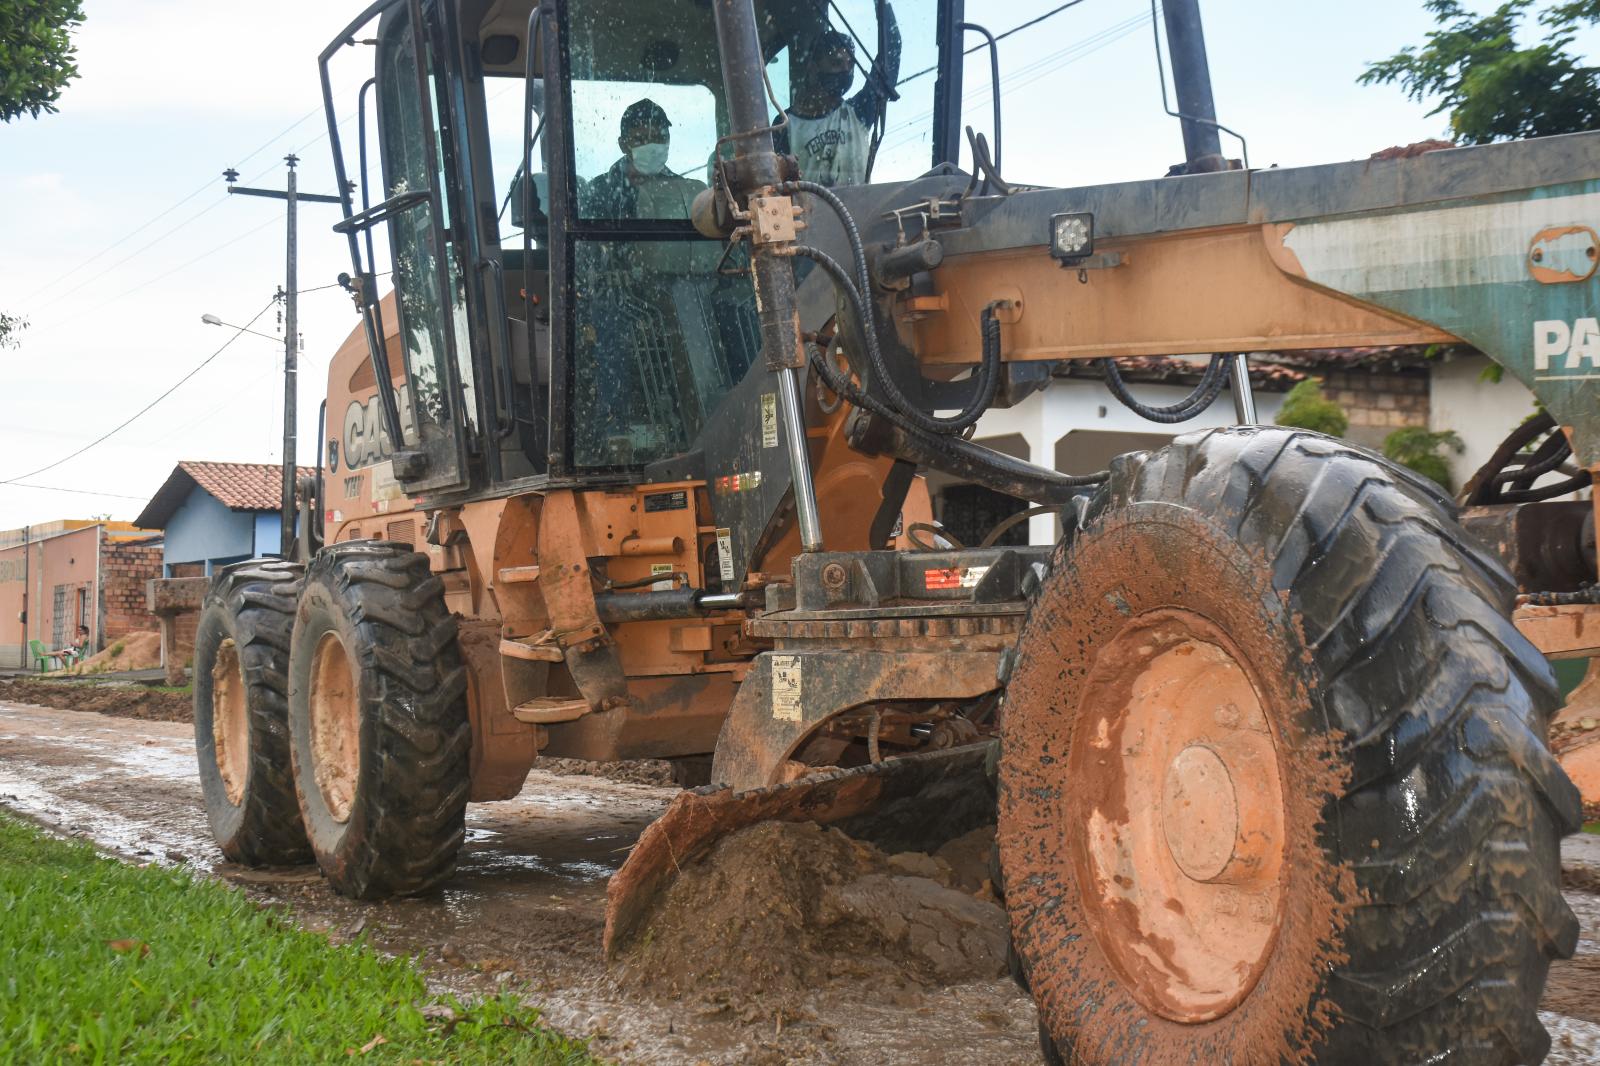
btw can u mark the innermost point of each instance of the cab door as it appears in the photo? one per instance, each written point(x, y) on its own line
point(438, 409)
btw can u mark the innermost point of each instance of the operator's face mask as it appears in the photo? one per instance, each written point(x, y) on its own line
point(649, 158)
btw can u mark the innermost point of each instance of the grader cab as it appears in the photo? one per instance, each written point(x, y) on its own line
point(687, 296)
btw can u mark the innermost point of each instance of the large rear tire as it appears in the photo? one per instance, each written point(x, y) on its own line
point(241, 731)
point(378, 717)
point(1274, 784)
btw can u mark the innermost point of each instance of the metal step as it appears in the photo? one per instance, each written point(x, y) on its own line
point(548, 710)
point(541, 648)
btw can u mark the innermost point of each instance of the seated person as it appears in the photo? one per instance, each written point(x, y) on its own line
point(829, 135)
point(639, 185)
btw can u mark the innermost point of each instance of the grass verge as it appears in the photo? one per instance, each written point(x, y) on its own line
point(105, 962)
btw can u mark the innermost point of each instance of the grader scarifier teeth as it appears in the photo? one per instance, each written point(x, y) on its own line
point(914, 803)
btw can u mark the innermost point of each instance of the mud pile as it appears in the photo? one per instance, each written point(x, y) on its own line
point(120, 700)
point(136, 651)
point(784, 907)
point(656, 772)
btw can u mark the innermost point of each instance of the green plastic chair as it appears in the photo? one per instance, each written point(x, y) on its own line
point(42, 655)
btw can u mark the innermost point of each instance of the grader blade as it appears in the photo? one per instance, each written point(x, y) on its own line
point(913, 803)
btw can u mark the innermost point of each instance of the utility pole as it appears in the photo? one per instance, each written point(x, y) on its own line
point(291, 337)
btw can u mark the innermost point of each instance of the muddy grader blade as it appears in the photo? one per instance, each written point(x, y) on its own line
point(918, 802)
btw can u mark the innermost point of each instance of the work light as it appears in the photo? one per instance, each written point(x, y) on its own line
point(1072, 236)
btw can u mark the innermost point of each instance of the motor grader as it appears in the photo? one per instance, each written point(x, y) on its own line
point(629, 465)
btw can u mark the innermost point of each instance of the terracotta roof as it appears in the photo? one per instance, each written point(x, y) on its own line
point(1178, 370)
point(243, 486)
point(237, 486)
point(1383, 358)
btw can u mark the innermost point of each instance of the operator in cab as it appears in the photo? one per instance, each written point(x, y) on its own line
point(639, 185)
point(830, 135)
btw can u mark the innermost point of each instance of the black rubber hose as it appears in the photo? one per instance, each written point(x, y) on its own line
point(905, 413)
point(1191, 406)
point(989, 370)
point(841, 385)
point(1557, 451)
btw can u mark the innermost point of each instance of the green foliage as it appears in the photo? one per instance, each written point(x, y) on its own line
point(1493, 87)
point(115, 649)
point(11, 326)
point(1306, 408)
point(37, 56)
point(104, 962)
point(1423, 450)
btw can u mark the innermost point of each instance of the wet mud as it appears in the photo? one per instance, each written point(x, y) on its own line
point(123, 699)
point(526, 909)
point(800, 906)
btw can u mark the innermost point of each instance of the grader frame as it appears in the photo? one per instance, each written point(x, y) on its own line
point(749, 584)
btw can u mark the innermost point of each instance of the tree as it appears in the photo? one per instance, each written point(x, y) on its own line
point(10, 327)
point(1306, 408)
point(1493, 87)
point(1422, 450)
point(37, 56)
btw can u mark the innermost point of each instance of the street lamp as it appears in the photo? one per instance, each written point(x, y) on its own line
point(212, 320)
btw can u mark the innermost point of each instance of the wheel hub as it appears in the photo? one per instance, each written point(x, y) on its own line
point(1183, 842)
point(335, 726)
point(230, 721)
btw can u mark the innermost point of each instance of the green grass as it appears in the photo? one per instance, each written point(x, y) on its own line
point(1592, 827)
point(101, 962)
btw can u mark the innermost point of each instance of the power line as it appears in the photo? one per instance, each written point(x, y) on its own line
point(913, 128)
point(78, 492)
point(125, 238)
point(998, 37)
point(137, 414)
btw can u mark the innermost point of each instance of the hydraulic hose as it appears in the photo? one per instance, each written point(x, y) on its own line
point(1191, 406)
point(858, 290)
point(905, 413)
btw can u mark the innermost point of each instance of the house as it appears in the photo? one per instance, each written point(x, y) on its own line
point(1076, 426)
point(57, 576)
point(217, 513)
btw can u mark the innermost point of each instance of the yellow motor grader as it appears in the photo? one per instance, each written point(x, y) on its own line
point(688, 295)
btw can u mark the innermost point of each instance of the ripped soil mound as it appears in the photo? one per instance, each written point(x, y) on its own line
point(136, 651)
point(630, 771)
point(114, 698)
point(783, 907)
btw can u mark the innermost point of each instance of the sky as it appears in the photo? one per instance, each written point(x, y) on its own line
point(116, 234)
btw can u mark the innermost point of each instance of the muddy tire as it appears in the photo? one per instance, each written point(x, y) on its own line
point(378, 720)
point(241, 729)
point(1274, 783)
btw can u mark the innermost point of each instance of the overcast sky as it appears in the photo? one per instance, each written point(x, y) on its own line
point(174, 91)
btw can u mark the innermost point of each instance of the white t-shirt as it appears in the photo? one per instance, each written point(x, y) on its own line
point(833, 149)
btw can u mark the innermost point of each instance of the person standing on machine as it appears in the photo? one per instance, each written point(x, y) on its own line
point(830, 135)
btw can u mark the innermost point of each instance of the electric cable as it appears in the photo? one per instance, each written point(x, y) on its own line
point(137, 414)
point(998, 37)
point(125, 238)
point(79, 492)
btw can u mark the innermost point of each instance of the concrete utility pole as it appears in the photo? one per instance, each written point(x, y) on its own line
point(291, 337)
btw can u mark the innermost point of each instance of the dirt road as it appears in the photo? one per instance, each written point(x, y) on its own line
point(528, 905)
point(528, 901)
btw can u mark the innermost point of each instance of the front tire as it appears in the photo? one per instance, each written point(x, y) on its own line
point(241, 731)
point(378, 718)
point(1274, 783)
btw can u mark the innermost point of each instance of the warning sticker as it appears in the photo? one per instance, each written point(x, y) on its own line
point(955, 577)
point(787, 688)
point(725, 554)
point(661, 586)
point(769, 420)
